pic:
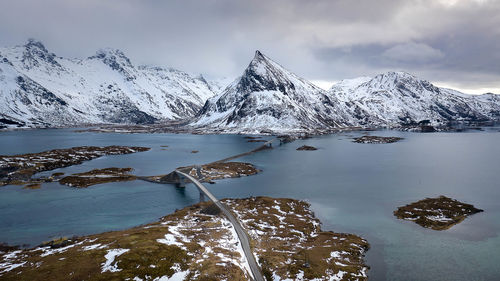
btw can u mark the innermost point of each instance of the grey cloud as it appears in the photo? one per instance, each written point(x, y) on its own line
point(457, 43)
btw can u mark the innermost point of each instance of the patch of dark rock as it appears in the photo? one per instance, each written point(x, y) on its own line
point(376, 139)
point(194, 151)
point(427, 129)
point(307, 147)
point(425, 126)
point(10, 122)
point(253, 140)
point(7, 248)
point(4, 171)
point(436, 213)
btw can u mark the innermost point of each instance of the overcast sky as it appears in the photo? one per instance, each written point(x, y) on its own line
point(454, 43)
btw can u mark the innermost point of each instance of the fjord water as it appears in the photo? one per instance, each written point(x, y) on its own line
point(352, 188)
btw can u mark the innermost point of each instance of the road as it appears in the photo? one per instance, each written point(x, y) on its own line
point(266, 145)
point(242, 235)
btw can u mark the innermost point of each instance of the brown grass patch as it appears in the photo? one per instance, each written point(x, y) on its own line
point(288, 240)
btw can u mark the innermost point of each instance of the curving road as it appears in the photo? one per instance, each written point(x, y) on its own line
point(242, 235)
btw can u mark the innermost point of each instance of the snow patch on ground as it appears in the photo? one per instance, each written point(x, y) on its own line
point(110, 257)
point(94, 247)
point(48, 251)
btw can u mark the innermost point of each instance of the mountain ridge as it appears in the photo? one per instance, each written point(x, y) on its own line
point(399, 98)
point(390, 99)
point(40, 89)
point(103, 88)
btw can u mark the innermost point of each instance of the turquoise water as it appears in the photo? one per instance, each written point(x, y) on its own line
point(351, 187)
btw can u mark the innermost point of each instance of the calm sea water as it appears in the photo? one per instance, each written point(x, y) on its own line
point(352, 188)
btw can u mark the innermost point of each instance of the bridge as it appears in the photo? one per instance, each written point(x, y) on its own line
point(173, 177)
point(266, 145)
point(242, 235)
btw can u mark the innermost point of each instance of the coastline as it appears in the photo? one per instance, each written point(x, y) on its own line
point(285, 237)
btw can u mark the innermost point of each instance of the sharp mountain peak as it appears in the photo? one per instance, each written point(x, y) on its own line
point(32, 44)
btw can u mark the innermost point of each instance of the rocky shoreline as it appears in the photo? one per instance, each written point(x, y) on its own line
point(182, 128)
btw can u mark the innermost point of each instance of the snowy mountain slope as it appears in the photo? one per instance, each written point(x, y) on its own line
point(341, 89)
point(38, 88)
point(24, 100)
point(398, 98)
point(269, 98)
point(104, 88)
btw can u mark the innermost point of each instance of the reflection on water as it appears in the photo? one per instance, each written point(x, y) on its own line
point(351, 187)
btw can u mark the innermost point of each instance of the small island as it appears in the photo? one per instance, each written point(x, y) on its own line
point(19, 169)
point(208, 172)
point(307, 148)
point(223, 170)
point(196, 243)
point(376, 139)
point(436, 213)
point(98, 176)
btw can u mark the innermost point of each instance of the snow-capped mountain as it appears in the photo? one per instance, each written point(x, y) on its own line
point(37, 88)
point(268, 98)
point(398, 98)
